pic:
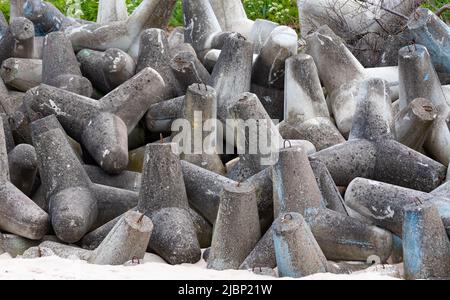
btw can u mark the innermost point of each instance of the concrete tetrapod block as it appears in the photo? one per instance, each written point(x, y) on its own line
point(210, 59)
point(137, 156)
point(22, 74)
point(426, 245)
point(389, 74)
point(397, 252)
point(174, 237)
point(372, 153)
point(248, 112)
point(4, 167)
point(112, 11)
point(272, 100)
point(101, 126)
point(202, 228)
point(15, 245)
point(60, 67)
point(263, 254)
point(340, 73)
point(232, 16)
point(268, 75)
point(263, 184)
point(38, 47)
point(344, 238)
point(106, 70)
point(127, 240)
point(365, 28)
point(199, 131)
point(154, 52)
point(232, 73)
point(160, 116)
point(260, 33)
point(418, 77)
point(23, 167)
point(340, 237)
point(294, 184)
point(64, 179)
point(123, 35)
point(162, 180)
point(177, 44)
point(306, 109)
point(16, 8)
point(188, 69)
point(161, 14)
point(331, 196)
point(297, 252)
point(176, 39)
point(348, 267)
point(112, 202)
point(425, 84)
point(201, 24)
point(23, 32)
point(93, 239)
point(332, 57)
point(373, 118)
point(429, 30)
point(39, 252)
point(203, 189)
point(46, 17)
point(16, 100)
point(237, 220)
point(126, 180)
point(50, 248)
point(8, 135)
point(18, 214)
point(17, 40)
point(6, 101)
point(269, 67)
point(164, 199)
point(414, 124)
point(20, 125)
point(384, 204)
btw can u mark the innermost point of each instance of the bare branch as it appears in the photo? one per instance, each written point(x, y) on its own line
point(385, 9)
point(442, 10)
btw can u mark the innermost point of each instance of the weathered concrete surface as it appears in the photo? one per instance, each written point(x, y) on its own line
point(297, 252)
point(429, 30)
point(426, 245)
point(22, 74)
point(237, 220)
point(112, 11)
point(372, 153)
point(128, 240)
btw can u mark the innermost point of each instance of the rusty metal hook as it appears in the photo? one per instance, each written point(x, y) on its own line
point(288, 217)
point(287, 141)
point(135, 260)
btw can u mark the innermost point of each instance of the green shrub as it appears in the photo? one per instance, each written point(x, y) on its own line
point(4, 8)
point(279, 11)
point(177, 17)
point(434, 5)
point(90, 9)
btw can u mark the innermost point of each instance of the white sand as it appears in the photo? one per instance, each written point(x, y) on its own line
point(54, 268)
